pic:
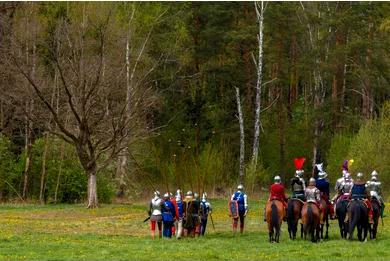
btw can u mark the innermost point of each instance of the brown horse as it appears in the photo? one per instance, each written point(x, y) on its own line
point(294, 208)
point(324, 219)
point(311, 220)
point(274, 212)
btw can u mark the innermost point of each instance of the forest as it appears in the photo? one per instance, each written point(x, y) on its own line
point(103, 101)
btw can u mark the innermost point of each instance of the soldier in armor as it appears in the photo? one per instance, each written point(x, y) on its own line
point(191, 214)
point(155, 211)
point(179, 220)
point(322, 184)
point(359, 192)
point(337, 186)
point(374, 187)
point(173, 200)
point(242, 202)
point(312, 194)
point(205, 210)
point(298, 185)
point(168, 216)
point(196, 214)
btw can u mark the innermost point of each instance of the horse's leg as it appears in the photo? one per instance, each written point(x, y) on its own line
point(302, 231)
point(327, 227)
point(270, 236)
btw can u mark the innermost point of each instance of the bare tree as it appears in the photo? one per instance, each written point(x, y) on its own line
point(260, 9)
point(99, 121)
point(242, 136)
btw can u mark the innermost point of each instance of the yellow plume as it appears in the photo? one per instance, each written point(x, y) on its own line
point(350, 162)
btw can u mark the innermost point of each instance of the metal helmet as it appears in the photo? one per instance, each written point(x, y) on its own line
point(347, 176)
point(277, 179)
point(189, 193)
point(204, 196)
point(359, 176)
point(312, 182)
point(299, 173)
point(166, 195)
point(196, 195)
point(322, 175)
point(374, 173)
point(240, 187)
point(344, 173)
point(374, 178)
point(157, 193)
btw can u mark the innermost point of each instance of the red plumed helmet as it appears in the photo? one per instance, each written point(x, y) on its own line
point(299, 163)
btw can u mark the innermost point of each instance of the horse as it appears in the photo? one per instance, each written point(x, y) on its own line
point(294, 208)
point(324, 219)
point(376, 212)
point(341, 212)
point(274, 212)
point(358, 217)
point(311, 221)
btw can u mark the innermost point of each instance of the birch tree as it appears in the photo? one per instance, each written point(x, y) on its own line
point(260, 9)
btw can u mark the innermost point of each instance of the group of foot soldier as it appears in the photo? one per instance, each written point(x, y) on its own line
point(179, 216)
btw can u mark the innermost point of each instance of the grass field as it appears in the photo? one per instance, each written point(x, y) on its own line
point(116, 232)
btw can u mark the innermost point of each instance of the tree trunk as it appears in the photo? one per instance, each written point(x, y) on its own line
point(260, 18)
point(43, 169)
point(92, 190)
point(59, 171)
point(242, 137)
point(28, 147)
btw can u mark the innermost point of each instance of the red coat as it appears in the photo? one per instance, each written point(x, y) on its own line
point(277, 192)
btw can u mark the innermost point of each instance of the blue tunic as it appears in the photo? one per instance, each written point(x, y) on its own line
point(323, 186)
point(168, 212)
point(239, 197)
point(359, 191)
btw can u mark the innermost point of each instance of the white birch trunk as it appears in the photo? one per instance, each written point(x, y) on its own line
point(92, 190)
point(242, 136)
point(260, 18)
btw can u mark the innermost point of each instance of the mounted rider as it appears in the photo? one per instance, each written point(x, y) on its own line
point(242, 202)
point(205, 210)
point(374, 188)
point(277, 191)
point(359, 192)
point(322, 184)
point(343, 185)
point(298, 185)
point(313, 194)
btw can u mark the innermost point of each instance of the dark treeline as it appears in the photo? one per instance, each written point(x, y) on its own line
point(139, 96)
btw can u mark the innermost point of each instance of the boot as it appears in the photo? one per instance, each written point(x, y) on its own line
point(346, 218)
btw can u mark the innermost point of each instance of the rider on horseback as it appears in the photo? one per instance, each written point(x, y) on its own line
point(277, 192)
point(374, 187)
point(312, 193)
point(323, 185)
point(298, 183)
point(359, 192)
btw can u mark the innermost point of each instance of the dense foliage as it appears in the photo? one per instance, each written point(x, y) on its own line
point(325, 88)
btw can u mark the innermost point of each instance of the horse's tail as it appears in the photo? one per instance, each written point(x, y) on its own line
point(310, 218)
point(274, 216)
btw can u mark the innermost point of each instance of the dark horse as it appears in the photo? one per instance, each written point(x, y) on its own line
point(274, 212)
point(358, 217)
point(324, 219)
point(311, 221)
point(341, 212)
point(294, 208)
point(376, 212)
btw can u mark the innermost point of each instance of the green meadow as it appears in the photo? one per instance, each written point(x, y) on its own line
point(117, 232)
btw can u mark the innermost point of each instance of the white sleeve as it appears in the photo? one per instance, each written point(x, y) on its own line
point(246, 201)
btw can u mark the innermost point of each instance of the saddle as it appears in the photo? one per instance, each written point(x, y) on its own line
point(361, 200)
